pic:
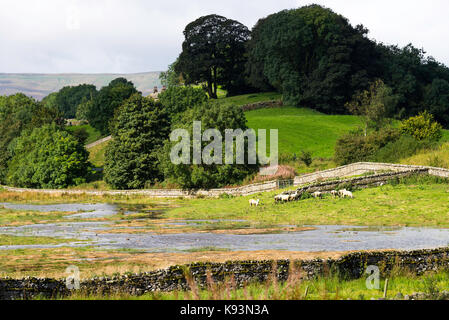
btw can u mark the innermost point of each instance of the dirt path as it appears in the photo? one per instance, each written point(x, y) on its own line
point(96, 143)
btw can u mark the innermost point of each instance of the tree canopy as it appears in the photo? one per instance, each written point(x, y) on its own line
point(196, 176)
point(139, 129)
point(47, 157)
point(313, 56)
point(108, 99)
point(214, 53)
point(17, 113)
point(176, 100)
point(68, 98)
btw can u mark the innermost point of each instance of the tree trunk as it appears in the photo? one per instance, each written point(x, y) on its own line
point(214, 84)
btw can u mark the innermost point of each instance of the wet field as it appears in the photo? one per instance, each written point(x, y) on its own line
point(314, 239)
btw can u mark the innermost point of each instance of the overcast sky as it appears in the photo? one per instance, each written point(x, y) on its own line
point(117, 36)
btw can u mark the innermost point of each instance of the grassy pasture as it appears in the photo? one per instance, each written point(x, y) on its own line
point(303, 129)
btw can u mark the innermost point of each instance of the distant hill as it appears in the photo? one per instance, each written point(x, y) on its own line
point(40, 85)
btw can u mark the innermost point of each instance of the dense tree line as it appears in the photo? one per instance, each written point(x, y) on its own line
point(35, 149)
point(315, 57)
point(69, 98)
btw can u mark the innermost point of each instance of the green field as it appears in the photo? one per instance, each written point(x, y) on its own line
point(303, 129)
point(97, 153)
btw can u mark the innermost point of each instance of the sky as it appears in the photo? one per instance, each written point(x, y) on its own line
point(117, 36)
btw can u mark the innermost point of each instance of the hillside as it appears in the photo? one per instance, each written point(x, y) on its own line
point(303, 129)
point(40, 85)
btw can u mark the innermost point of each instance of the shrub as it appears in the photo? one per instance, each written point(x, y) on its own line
point(356, 147)
point(306, 157)
point(47, 157)
point(422, 127)
point(404, 147)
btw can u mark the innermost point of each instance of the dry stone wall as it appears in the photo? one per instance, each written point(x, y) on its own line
point(360, 182)
point(351, 266)
point(340, 172)
point(263, 105)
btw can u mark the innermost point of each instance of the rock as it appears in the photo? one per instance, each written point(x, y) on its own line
point(399, 296)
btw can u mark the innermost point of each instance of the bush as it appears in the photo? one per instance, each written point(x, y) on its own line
point(306, 157)
point(422, 127)
point(47, 157)
point(404, 147)
point(356, 147)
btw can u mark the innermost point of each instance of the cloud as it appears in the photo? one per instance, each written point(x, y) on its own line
point(115, 36)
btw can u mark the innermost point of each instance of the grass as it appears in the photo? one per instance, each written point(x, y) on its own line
point(93, 134)
point(8, 240)
point(97, 154)
point(416, 203)
point(303, 129)
point(10, 217)
point(434, 158)
point(327, 287)
point(421, 201)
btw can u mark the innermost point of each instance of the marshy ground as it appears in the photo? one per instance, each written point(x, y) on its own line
point(42, 234)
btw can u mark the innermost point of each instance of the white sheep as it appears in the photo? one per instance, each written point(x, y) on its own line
point(348, 194)
point(253, 202)
point(334, 193)
point(317, 194)
point(341, 192)
point(285, 197)
point(294, 196)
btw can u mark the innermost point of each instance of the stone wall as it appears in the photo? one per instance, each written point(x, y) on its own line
point(340, 172)
point(263, 105)
point(362, 182)
point(351, 266)
point(166, 193)
point(365, 167)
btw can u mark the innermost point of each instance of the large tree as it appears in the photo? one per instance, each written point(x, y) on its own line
point(47, 157)
point(139, 129)
point(313, 56)
point(68, 98)
point(176, 100)
point(17, 113)
point(207, 175)
point(108, 99)
point(214, 53)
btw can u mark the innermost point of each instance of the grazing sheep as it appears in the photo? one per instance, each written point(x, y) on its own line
point(294, 196)
point(285, 197)
point(348, 194)
point(334, 193)
point(317, 194)
point(277, 198)
point(341, 192)
point(253, 202)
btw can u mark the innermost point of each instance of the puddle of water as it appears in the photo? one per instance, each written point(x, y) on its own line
point(322, 238)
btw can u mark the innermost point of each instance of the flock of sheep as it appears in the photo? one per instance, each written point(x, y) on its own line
point(288, 197)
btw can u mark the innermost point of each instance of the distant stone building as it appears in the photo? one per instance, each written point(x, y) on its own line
point(155, 93)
